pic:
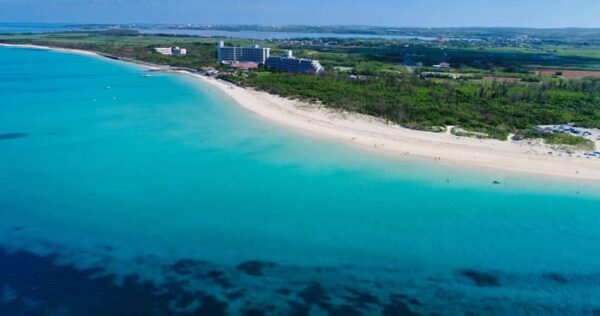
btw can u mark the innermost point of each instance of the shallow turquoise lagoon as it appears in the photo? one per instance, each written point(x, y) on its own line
point(103, 167)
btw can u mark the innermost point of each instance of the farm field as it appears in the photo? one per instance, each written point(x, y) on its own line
point(567, 73)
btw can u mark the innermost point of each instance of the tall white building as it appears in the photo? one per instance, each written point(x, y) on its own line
point(253, 54)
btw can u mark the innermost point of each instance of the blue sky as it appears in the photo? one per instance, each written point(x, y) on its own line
point(422, 13)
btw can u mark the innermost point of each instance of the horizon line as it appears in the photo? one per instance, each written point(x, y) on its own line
point(311, 25)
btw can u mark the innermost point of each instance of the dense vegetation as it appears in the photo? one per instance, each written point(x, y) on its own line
point(514, 58)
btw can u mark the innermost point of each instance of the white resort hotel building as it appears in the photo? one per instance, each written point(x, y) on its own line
point(288, 63)
point(261, 56)
point(229, 55)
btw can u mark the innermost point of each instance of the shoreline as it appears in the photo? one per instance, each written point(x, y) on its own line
point(374, 134)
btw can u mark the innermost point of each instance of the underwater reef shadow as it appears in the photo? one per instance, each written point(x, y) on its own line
point(31, 284)
point(10, 136)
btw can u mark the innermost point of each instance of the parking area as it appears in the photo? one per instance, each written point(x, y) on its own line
point(588, 133)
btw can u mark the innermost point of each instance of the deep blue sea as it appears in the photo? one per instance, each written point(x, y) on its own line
point(14, 28)
point(127, 192)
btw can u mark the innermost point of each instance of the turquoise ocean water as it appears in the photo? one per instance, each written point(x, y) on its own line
point(109, 174)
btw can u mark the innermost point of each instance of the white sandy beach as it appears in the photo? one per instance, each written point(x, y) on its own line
point(376, 135)
point(66, 50)
point(527, 157)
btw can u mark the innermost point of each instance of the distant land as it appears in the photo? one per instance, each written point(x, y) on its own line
point(564, 34)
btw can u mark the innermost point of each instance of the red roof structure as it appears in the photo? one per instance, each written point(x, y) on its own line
point(244, 66)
